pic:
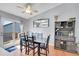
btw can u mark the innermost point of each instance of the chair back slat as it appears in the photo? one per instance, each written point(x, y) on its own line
point(31, 38)
point(22, 35)
point(47, 43)
point(22, 38)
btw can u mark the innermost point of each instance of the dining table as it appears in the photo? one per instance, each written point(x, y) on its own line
point(38, 42)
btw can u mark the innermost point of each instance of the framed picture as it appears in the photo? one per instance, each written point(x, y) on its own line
point(41, 23)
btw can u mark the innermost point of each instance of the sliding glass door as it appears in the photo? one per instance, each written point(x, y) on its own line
point(7, 26)
point(9, 30)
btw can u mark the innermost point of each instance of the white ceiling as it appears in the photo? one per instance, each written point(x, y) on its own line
point(12, 9)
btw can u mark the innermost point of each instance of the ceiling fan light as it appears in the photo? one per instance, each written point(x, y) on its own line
point(28, 9)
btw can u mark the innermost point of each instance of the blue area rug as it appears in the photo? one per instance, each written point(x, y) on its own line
point(10, 49)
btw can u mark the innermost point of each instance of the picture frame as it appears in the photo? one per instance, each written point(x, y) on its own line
point(41, 23)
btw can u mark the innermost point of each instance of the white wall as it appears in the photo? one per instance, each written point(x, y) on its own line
point(64, 11)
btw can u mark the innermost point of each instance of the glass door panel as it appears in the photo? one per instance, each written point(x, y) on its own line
point(9, 30)
point(7, 26)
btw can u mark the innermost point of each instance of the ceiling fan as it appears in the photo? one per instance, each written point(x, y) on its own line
point(28, 8)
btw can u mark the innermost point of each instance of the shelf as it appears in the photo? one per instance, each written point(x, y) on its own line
point(64, 32)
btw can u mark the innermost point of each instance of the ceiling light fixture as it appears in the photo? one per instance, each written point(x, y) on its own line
point(29, 9)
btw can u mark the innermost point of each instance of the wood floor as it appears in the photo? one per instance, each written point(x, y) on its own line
point(52, 52)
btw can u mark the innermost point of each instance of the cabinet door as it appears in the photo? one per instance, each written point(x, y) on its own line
point(77, 31)
point(71, 46)
point(57, 44)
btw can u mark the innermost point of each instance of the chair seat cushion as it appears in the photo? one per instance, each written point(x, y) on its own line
point(42, 46)
point(31, 46)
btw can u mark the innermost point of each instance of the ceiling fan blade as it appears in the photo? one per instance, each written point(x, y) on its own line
point(20, 7)
point(23, 11)
point(35, 11)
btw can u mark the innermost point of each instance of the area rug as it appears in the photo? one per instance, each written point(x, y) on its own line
point(10, 49)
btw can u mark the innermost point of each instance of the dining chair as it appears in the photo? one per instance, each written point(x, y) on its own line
point(31, 45)
point(22, 41)
point(45, 46)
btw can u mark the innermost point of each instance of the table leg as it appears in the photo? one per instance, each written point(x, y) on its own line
point(38, 49)
point(21, 48)
point(26, 48)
